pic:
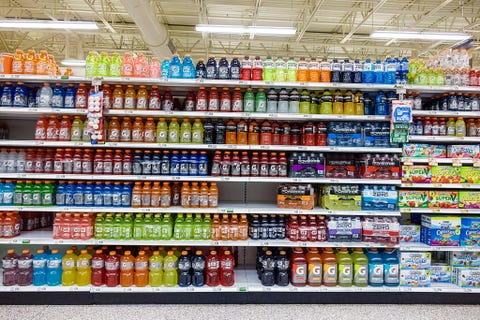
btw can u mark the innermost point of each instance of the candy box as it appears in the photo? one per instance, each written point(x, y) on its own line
point(415, 278)
point(440, 273)
point(470, 175)
point(443, 199)
point(463, 151)
point(469, 199)
point(415, 260)
point(440, 230)
point(470, 233)
point(416, 174)
point(379, 198)
point(463, 259)
point(413, 199)
point(445, 174)
point(341, 197)
point(467, 277)
point(409, 233)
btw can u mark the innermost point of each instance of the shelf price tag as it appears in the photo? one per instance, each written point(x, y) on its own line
point(432, 162)
point(456, 162)
point(408, 161)
point(476, 162)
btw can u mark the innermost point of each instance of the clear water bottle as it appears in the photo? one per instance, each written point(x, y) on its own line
point(45, 96)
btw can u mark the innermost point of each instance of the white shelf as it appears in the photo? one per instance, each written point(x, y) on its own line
point(238, 208)
point(191, 146)
point(440, 210)
point(440, 185)
point(106, 177)
point(424, 247)
point(444, 139)
point(195, 83)
point(45, 237)
point(245, 281)
point(406, 160)
point(34, 112)
point(446, 114)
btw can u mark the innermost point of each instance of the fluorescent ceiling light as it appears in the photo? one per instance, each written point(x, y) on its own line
point(48, 24)
point(73, 63)
point(235, 29)
point(446, 36)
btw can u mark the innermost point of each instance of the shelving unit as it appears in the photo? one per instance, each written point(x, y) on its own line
point(247, 288)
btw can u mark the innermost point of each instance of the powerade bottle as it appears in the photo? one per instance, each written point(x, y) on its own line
point(403, 69)
point(347, 71)
point(336, 70)
point(268, 69)
point(220, 132)
point(292, 66)
point(368, 75)
point(184, 265)
point(304, 102)
point(223, 69)
point(188, 68)
point(165, 70)
point(357, 71)
point(40, 268)
point(282, 265)
point(272, 101)
point(378, 70)
point(20, 97)
point(389, 75)
point(198, 266)
point(381, 104)
point(69, 101)
point(176, 68)
point(367, 104)
point(391, 267)
point(211, 68)
point(375, 268)
point(201, 70)
point(294, 101)
point(54, 269)
point(235, 69)
point(208, 132)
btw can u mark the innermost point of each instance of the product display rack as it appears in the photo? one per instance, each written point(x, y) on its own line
point(247, 288)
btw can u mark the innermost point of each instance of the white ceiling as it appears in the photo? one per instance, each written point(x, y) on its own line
point(325, 28)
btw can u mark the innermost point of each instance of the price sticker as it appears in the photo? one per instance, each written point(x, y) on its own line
point(456, 162)
point(432, 162)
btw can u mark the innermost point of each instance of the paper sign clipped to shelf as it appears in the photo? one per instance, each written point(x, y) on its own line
point(95, 117)
point(400, 121)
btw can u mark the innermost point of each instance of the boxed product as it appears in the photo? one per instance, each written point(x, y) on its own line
point(412, 150)
point(379, 197)
point(415, 260)
point(409, 233)
point(340, 167)
point(415, 278)
point(463, 259)
point(470, 175)
point(303, 165)
point(296, 196)
point(469, 199)
point(377, 134)
point(416, 174)
point(470, 233)
point(443, 199)
point(413, 199)
point(344, 134)
point(440, 273)
point(341, 197)
point(445, 174)
point(344, 229)
point(463, 151)
point(440, 230)
point(381, 229)
point(379, 167)
point(467, 277)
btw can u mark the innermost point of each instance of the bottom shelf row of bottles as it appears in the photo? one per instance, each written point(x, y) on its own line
point(137, 267)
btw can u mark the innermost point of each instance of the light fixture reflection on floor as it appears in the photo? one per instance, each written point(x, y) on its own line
point(408, 35)
point(236, 29)
point(47, 24)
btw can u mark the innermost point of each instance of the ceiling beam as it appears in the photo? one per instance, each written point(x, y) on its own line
point(309, 20)
point(100, 17)
point(370, 13)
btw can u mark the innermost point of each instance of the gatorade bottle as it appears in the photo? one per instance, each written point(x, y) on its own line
point(173, 131)
point(84, 269)
point(40, 268)
point(246, 69)
point(299, 269)
point(213, 100)
point(54, 269)
point(391, 267)
point(212, 270)
point(198, 267)
point(292, 70)
point(235, 68)
point(211, 68)
point(155, 266)
point(18, 62)
point(130, 97)
point(227, 264)
point(165, 69)
point(117, 97)
point(115, 65)
point(269, 69)
point(90, 64)
point(170, 270)
point(25, 269)
point(223, 69)
point(188, 69)
point(184, 265)
point(200, 70)
point(360, 268)
point(314, 263)
point(69, 271)
point(127, 65)
point(176, 70)
point(112, 270)
point(103, 65)
point(330, 272)
point(127, 262)
point(141, 270)
point(249, 101)
point(375, 268)
point(345, 268)
point(98, 268)
point(142, 98)
point(257, 69)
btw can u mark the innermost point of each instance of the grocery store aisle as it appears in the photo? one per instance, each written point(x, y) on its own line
point(257, 312)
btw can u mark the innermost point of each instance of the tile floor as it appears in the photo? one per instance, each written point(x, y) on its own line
point(254, 312)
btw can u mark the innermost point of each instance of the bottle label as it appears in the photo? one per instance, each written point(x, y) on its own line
point(345, 275)
point(173, 136)
point(391, 273)
point(38, 263)
point(213, 201)
point(80, 101)
point(40, 133)
point(154, 103)
point(237, 105)
point(129, 103)
point(213, 105)
point(112, 265)
point(141, 265)
point(189, 105)
point(69, 263)
point(299, 273)
point(126, 265)
point(155, 265)
point(375, 273)
point(314, 273)
point(225, 105)
point(201, 105)
point(117, 103)
point(126, 135)
point(98, 264)
point(83, 263)
point(330, 273)
point(52, 263)
point(142, 103)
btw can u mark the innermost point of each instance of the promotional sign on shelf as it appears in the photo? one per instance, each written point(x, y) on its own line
point(400, 121)
point(95, 114)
